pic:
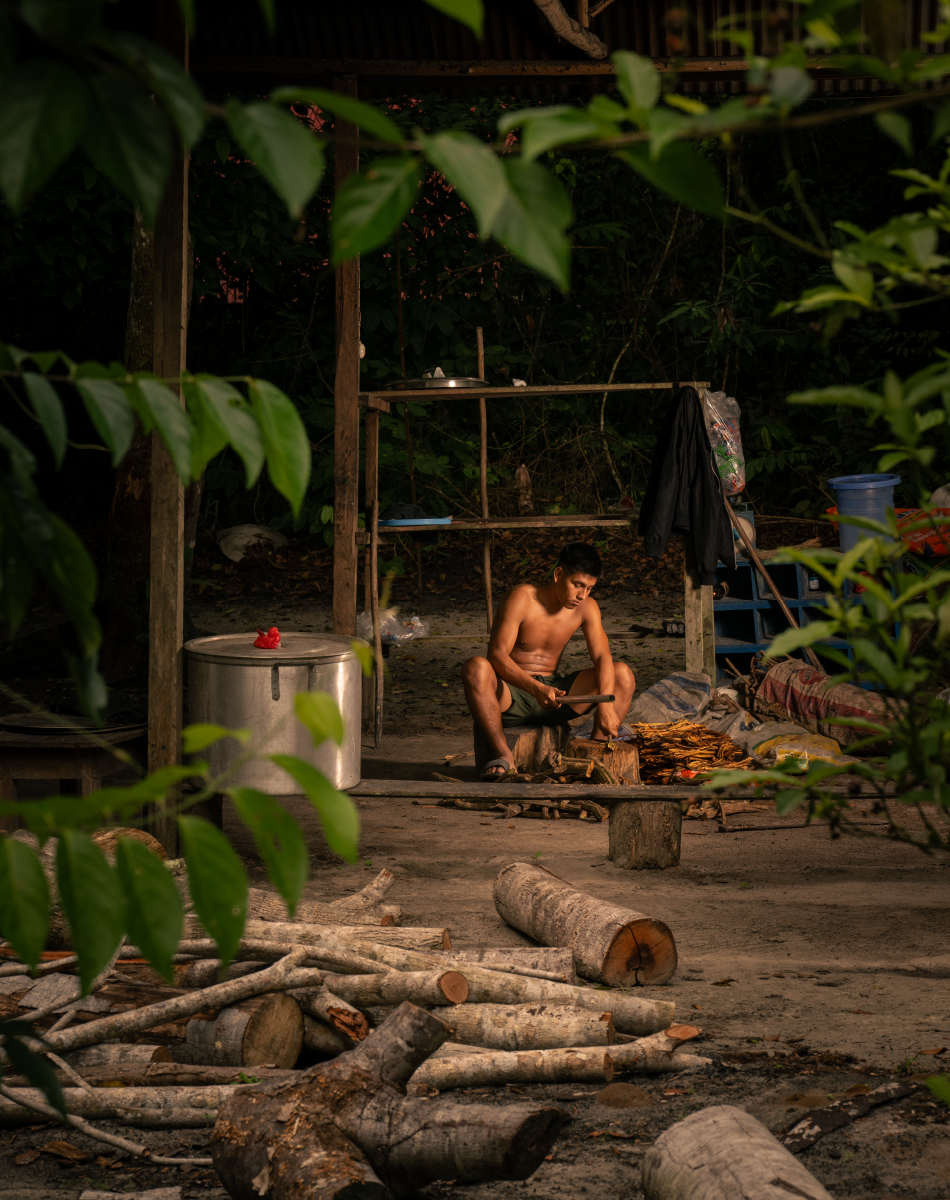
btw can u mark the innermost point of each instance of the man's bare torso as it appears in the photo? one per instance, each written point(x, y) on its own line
point(543, 633)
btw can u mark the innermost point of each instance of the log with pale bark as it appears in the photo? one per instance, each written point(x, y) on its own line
point(299, 933)
point(645, 835)
point(529, 1026)
point(130, 1105)
point(611, 945)
point(115, 1054)
point(631, 1013)
point(261, 1029)
point(536, 962)
point(323, 1038)
point(622, 759)
point(364, 907)
point(496, 1067)
point(345, 1128)
point(320, 1004)
point(723, 1153)
point(158, 1074)
point(419, 987)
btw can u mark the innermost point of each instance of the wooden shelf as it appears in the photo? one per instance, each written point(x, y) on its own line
point(394, 396)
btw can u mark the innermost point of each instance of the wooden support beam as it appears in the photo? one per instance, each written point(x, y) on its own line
point(698, 617)
point(346, 429)
point(167, 564)
point(507, 393)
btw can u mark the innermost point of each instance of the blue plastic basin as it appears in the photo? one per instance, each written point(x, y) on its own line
point(869, 496)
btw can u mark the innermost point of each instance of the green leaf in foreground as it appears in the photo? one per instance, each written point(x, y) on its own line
point(223, 407)
point(370, 205)
point(280, 842)
point(337, 812)
point(896, 126)
point(49, 412)
point(24, 1061)
point(153, 911)
point(285, 441)
point(164, 411)
point(217, 882)
point(365, 656)
point(288, 156)
point(369, 119)
point(533, 218)
point(42, 110)
point(474, 169)
point(199, 737)
point(940, 1086)
point(24, 900)
point(683, 173)
point(111, 413)
point(468, 12)
point(91, 901)
point(321, 715)
point(638, 80)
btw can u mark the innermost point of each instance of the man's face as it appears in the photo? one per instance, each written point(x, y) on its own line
point(573, 589)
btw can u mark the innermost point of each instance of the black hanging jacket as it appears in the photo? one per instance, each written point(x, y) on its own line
point(684, 493)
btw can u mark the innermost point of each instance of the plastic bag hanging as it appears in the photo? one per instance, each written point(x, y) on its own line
point(722, 424)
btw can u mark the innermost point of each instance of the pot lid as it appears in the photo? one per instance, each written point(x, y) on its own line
point(296, 647)
point(439, 381)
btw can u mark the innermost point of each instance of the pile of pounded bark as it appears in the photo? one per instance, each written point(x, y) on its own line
point(348, 984)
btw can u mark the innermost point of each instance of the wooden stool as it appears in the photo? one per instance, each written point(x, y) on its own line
point(529, 745)
point(63, 756)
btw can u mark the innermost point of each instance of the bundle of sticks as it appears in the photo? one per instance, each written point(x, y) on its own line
point(666, 751)
point(351, 986)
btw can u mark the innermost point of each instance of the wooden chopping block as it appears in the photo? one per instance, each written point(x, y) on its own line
point(529, 745)
point(620, 758)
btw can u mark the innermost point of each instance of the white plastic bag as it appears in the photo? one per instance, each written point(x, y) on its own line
point(722, 425)
point(394, 630)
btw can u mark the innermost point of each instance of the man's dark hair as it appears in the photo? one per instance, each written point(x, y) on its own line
point(577, 558)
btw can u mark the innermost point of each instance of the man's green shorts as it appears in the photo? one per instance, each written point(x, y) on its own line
point(525, 710)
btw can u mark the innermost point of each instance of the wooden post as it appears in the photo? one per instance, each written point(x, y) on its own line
point(644, 835)
point(483, 480)
point(167, 565)
point(583, 15)
point(698, 613)
point(346, 429)
point(372, 517)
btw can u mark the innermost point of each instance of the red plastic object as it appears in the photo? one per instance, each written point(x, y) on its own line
point(269, 640)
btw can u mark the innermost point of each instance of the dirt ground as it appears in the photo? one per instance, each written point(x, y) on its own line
point(812, 966)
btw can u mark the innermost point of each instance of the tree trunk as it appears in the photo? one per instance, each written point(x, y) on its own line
point(644, 835)
point(128, 555)
point(323, 1038)
point(121, 1104)
point(156, 1075)
point(723, 1153)
point(419, 987)
point(263, 1029)
point(631, 1014)
point(529, 1026)
point(611, 945)
point(320, 1004)
point(529, 745)
point(343, 1127)
point(535, 962)
point(496, 1067)
point(118, 1053)
point(206, 972)
point(297, 933)
point(622, 759)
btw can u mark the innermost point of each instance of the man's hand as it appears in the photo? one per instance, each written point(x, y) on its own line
point(606, 721)
point(547, 697)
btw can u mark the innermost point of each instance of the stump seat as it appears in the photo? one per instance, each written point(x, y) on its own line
point(529, 745)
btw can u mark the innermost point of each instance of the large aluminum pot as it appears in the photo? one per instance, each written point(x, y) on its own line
point(233, 683)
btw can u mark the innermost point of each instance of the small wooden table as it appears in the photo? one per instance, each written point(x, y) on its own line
point(63, 756)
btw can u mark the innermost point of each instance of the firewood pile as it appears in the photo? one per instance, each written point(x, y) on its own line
point(682, 749)
point(391, 1013)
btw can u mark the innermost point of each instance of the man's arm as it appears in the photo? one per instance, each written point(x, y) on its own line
point(599, 650)
point(504, 634)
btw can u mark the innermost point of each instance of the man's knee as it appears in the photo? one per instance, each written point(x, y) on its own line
point(478, 672)
point(624, 677)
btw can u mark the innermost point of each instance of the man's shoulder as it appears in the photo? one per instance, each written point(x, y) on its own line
point(590, 610)
point(523, 594)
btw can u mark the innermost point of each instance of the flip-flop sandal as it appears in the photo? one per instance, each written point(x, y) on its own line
point(495, 762)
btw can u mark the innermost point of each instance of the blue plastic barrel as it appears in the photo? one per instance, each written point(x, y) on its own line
point(867, 496)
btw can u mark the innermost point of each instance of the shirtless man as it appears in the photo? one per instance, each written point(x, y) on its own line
point(517, 683)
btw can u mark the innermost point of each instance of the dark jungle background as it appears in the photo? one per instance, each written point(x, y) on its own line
point(684, 297)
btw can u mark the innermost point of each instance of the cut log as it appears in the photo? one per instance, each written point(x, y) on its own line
point(620, 758)
point(123, 1104)
point(611, 945)
point(206, 972)
point(496, 1067)
point(529, 746)
point(657, 1054)
point(298, 933)
point(344, 1128)
point(263, 1029)
point(529, 1026)
point(268, 906)
point(117, 1054)
point(322, 1038)
point(419, 987)
point(723, 1153)
point(535, 962)
point(645, 835)
point(631, 1013)
point(161, 1074)
point(320, 1004)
